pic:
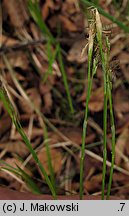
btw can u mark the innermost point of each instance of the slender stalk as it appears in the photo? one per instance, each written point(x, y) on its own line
point(64, 76)
point(104, 122)
point(104, 141)
point(109, 89)
point(104, 68)
point(113, 139)
point(90, 53)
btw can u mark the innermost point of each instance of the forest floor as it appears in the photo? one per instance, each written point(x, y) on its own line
point(47, 85)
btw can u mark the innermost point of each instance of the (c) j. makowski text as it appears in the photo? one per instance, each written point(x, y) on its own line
point(40, 206)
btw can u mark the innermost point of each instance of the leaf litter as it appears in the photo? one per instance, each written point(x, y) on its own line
point(31, 66)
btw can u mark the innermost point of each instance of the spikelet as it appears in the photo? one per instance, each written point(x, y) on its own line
point(16, 11)
point(98, 25)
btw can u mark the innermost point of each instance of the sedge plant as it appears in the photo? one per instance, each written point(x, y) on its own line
point(91, 72)
point(95, 36)
point(95, 44)
point(107, 74)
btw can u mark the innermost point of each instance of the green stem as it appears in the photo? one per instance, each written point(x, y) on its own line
point(83, 141)
point(65, 79)
point(113, 139)
point(104, 143)
point(85, 123)
point(104, 117)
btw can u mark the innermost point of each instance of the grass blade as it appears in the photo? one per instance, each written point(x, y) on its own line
point(90, 52)
point(35, 12)
point(65, 79)
point(30, 183)
point(11, 111)
point(51, 58)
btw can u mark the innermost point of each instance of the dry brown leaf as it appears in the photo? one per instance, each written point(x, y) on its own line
point(75, 186)
point(73, 13)
point(49, 4)
point(75, 135)
point(17, 147)
point(34, 97)
point(96, 100)
point(120, 177)
point(123, 193)
point(67, 24)
point(16, 59)
point(35, 132)
point(75, 52)
point(69, 7)
point(121, 102)
point(117, 49)
point(45, 91)
point(54, 138)
point(94, 183)
point(123, 57)
point(36, 33)
point(5, 124)
point(121, 143)
point(17, 12)
point(8, 41)
point(53, 21)
point(125, 70)
point(47, 102)
point(43, 65)
point(56, 158)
